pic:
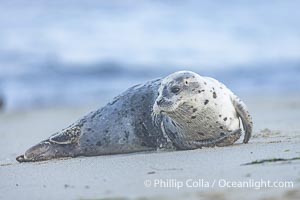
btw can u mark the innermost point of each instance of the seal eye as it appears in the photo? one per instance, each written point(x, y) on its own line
point(175, 89)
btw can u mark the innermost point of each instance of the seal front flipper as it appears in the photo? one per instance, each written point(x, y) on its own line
point(62, 144)
point(246, 118)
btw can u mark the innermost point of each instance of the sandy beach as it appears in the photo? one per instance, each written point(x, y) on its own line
point(198, 174)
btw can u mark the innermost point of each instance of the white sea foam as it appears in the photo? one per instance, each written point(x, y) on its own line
point(52, 51)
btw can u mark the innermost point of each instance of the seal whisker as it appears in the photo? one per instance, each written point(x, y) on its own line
point(155, 119)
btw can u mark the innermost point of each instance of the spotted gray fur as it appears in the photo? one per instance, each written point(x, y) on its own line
point(133, 121)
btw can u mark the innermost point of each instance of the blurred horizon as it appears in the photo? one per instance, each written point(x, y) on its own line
point(77, 52)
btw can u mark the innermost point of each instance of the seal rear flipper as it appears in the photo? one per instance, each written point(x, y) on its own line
point(47, 150)
point(68, 136)
point(61, 144)
point(246, 118)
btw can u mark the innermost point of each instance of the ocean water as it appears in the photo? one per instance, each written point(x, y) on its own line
point(64, 52)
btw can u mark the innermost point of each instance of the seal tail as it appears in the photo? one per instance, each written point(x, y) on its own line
point(47, 150)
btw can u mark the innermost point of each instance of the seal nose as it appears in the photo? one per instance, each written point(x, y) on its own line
point(160, 101)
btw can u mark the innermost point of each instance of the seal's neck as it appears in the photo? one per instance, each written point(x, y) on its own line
point(186, 116)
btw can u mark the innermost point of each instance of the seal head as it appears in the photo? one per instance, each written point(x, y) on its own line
point(175, 90)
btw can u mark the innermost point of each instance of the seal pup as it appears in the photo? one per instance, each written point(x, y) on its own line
point(182, 111)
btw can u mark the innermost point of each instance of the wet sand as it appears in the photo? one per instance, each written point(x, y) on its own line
point(276, 135)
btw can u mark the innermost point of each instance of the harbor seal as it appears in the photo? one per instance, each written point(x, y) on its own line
point(180, 112)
